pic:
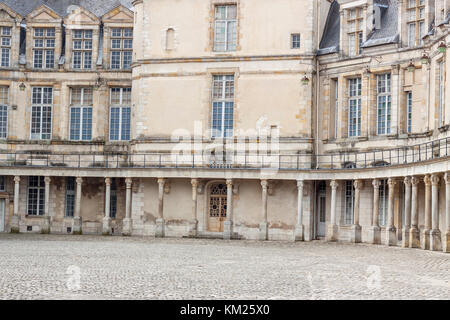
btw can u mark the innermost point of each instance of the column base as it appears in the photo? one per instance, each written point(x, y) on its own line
point(375, 235)
point(414, 238)
point(299, 233)
point(263, 231)
point(45, 226)
point(126, 227)
point(193, 227)
point(160, 232)
point(332, 232)
point(76, 225)
point(15, 224)
point(435, 240)
point(425, 245)
point(405, 237)
point(106, 226)
point(391, 236)
point(227, 230)
point(355, 233)
point(446, 247)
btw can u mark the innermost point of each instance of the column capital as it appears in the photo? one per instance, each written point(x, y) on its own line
point(229, 182)
point(427, 180)
point(392, 182)
point(415, 181)
point(128, 182)
point(161, 181)
point(264, 183)
point(300, 183)
point(376, 183)
point(358, 184)
point(79, 180)
point(108, 181)
point(447, 178)
point(194, 183)
point(434, 179)
point(16, 179)
point(47, 180)
point(407, 181)
point(334, 184)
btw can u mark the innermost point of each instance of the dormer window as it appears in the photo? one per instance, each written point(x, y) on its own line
point(82, 49)
point(416, 22)
point(44, 48)
point(6, 46)
point(355, 32)
point(121, 48)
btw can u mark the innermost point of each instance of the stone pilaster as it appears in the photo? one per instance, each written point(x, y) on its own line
point(160, 223)
point(446, 246)
point(263, 227)
point(355, 235)
point(16, 218)
point(332, 228)
point(127, 226)
point(407, 208)
point(299, 228)
point(435, 233)
point(106, 227)
point(375, 230)
point(414, 235)
point(427, 228)
point(77, 221)
point(228, 224)
point(391, 231)
point(194, 225)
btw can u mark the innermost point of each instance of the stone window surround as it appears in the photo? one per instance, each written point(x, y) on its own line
point(30, 42)
point(107, 30)
point(212, 6)
point(69, 44)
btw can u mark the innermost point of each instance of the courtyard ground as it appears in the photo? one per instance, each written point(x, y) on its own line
point(96, 267)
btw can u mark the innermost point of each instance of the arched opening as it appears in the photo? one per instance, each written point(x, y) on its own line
point(170, 39)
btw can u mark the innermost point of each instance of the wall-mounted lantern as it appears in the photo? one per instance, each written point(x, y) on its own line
point(442, 47)
point(305, 80)
point(425, 58)
point(411, 67)
point(22, 86)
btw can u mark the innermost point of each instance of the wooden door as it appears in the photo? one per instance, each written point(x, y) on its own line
point(217, 207)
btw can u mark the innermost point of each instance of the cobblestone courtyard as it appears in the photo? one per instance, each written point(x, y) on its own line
point(49, 267)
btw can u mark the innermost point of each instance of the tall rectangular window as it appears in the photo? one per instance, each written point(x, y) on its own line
point(415, 22)
point(355, 33)
point(82, 49)
point(225, 28)
point(41, 113)
point(295, 41)
point(70, 196)
point(354, 110)
point(36, 196)
point(409, 112)
point(384, 103)
point(4, 102)
point(120, 114)
point(121, 48)
point(349, 202)
point(441, 93)
point(336, 108)
point(222, 106)
point(383, 192)
point(44, 48)
point(5, 45)
point(81, 114)
point(113, 199)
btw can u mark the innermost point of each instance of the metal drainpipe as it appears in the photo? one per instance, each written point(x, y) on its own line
point(317, 83)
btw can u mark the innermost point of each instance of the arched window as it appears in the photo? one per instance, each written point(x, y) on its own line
point(170, 39)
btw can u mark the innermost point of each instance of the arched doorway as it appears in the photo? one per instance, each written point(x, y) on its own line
point(217, 208)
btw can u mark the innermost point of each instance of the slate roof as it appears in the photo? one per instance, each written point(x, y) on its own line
point(331, 34)
point(97, 7)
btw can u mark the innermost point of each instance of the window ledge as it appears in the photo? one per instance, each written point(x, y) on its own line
point(443, 128)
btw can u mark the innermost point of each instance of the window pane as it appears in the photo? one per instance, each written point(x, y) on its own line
point(75, 120)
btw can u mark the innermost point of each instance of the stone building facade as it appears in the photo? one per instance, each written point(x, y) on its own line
point(244, 119)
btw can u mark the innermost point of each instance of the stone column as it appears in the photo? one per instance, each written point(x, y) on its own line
point(427, 228)
point(106, 228)
point(435, 233)
point(375, 230)
point(391, 231)
point(228, 224)
point(16, 218)
point(407, 208)
point(414, 235)
point(299, 229)
point(160, 232)
point(355, 235)
point(263, 228)
point(77, 221)
point(194, 224)
point(45, 227)
point(127, 224)
point(332, 228)
point(447, 212)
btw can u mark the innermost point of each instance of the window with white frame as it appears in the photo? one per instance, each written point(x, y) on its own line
point(409, 112)
point(41, 113)
point(2, 183)
point(81, 114)
point(415, 22)
point(44, 48)
point(36, 195)
point(355, 33)
point(121, 48)
point(349, 202)
point(70, 196)
point(383, 192)
point(354, 110)
point(295, 41)
point(441, 117)
point(384, 103)
point(120, 114)
point(336, 108)
point(225, 28)
point(5, 45)
point(82, 49)
point(4, 102)
point(113, 199)
point(222, 106)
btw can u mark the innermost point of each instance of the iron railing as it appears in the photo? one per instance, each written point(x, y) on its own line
point(335, 161)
